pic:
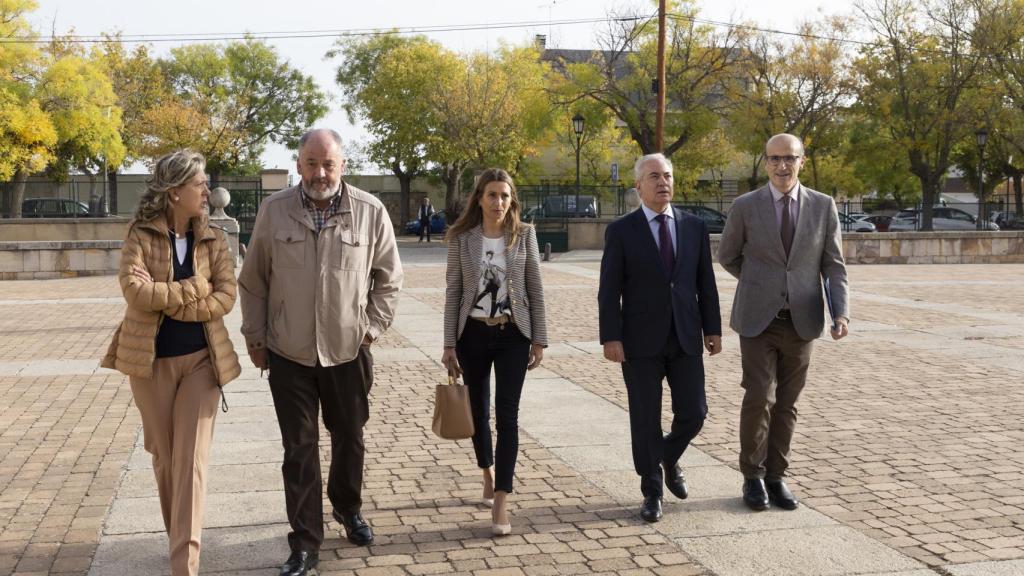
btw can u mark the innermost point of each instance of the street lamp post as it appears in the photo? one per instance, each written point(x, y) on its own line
point(577, 127)
point(981, 137)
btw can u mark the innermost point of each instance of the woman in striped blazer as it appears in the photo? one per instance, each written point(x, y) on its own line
point(494, 315)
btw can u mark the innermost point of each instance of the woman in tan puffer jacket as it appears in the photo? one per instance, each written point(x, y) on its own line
point(177, 275)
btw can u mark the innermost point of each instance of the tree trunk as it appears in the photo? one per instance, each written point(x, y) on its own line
point(814, 168)
point(451, 174)
point(18, 193)
point(404, 188)
point(929, 192)
point(112, 191)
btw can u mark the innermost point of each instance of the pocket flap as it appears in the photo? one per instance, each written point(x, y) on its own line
point(290, 236)
point(352, 238)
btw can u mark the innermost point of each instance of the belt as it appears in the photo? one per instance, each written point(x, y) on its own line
point(783, 314)
point(496, 321)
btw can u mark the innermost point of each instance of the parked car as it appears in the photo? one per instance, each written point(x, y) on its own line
point(857, 215)
point(562, 207)
point(881, 222)
point(438, 224)
point(943, 218)
point(53, 208)
point(714, 219)
point(851, 225)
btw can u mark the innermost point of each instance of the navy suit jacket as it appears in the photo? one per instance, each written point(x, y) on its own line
point(638, 298)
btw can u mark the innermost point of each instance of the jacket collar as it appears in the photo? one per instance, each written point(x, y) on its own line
point(200, 227)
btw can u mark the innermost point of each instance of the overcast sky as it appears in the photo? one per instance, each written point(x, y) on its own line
point(133, 17)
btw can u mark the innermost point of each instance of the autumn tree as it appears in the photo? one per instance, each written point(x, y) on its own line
point(492, 111)
point(602, 143)
point(61, 112)
point(139, 88)
point(916, 81)
point(27, 135)
point(80, 101)
point(799, 86)
point(229, 102)
point(1004, 48)
point(700, 61)
point(388, 82)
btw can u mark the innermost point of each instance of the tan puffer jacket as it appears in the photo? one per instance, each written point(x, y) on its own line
point(205, 297)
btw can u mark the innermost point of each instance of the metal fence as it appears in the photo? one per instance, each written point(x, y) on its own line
point(243, 207)
point(91, 195)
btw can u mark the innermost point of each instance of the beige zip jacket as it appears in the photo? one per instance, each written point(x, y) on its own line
point(310, 297)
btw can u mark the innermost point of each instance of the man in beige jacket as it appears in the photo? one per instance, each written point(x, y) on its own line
point(320, 283)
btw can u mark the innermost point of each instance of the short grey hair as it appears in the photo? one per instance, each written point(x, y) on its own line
point(170, 171)
point(309, 134)
point(638, 167)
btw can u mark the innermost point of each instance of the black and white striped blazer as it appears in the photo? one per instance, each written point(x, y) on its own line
point(525, 292)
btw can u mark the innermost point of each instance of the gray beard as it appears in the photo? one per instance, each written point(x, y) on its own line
point(317, 195)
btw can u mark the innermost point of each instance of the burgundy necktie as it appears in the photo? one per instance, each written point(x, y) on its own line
point(668, 258)
point(787, 225)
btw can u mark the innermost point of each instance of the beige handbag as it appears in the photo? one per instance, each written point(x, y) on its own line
point(453, 419)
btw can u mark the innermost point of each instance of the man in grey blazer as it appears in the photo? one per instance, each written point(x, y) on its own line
point(781, 241)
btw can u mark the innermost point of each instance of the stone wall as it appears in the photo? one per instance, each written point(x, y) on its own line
point(62, 229)
point(954, 247)
point(30, 260)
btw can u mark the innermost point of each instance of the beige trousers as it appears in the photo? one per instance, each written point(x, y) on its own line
point(178, 407)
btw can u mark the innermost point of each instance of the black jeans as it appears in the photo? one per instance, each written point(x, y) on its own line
point(298, 392)
point(508, 350)
point(643, 376)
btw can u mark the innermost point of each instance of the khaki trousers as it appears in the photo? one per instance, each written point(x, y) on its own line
point(178, 407)
point(775, 365)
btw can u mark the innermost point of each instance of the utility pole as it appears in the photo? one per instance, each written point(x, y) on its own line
point(659, 122)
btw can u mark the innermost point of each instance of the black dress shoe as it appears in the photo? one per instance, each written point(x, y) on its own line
point(650, 510)
point(779, 495)
point(754, 494)
point(357, 530)
point(675, 482)
point(300, 563)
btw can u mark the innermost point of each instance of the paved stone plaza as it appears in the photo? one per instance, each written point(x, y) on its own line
point(908, 456)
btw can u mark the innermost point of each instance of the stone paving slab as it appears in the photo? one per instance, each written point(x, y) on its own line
point(142, 515)
point(254, 549)
point(822, 551)
point(1007, 568)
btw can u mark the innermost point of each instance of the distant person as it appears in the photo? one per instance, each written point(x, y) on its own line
point(494, 317)
point(319, 285)
point(425, 213)
point(177, 275)
point(658, 308)
point(780, 242)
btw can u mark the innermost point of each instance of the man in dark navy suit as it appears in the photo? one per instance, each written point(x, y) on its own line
point(658, 308)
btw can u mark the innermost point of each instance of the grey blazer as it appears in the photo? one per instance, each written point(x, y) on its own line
point(751, 250)
point(522, 261)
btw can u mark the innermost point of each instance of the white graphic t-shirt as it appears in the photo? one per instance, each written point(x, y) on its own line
point(492, 292)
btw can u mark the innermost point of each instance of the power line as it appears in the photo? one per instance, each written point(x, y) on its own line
point(299, 34)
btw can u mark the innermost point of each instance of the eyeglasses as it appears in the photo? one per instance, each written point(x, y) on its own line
point(788, 160)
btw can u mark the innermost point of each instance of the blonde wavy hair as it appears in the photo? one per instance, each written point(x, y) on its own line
point(170, 171)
